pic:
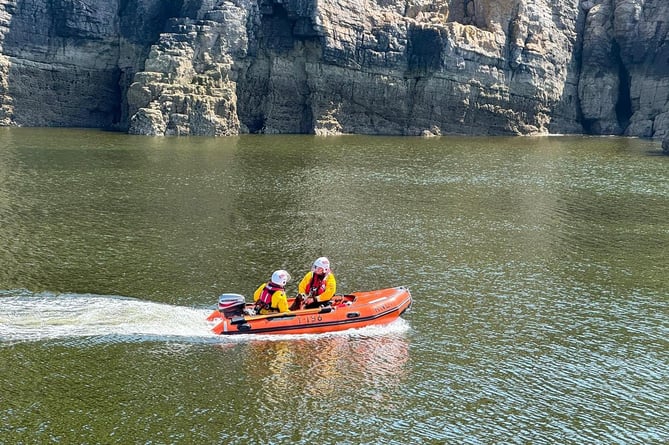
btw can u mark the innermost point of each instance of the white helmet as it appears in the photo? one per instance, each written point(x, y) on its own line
point(323, 263)
point(280, 277)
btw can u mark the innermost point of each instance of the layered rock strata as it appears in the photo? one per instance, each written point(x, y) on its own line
point(416, 67)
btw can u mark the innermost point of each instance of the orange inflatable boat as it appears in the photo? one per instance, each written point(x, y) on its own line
point(354, 310)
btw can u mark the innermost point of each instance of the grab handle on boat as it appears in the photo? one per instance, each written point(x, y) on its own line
point(242, 319)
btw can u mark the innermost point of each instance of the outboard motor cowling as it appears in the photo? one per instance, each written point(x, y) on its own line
point(231, 305)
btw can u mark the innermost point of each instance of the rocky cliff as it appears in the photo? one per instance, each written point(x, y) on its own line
point(410, 67)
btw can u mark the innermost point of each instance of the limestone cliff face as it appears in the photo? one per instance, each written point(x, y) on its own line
point(624, 80)
point(410, 67)
point(387, 67)
point(69, 62)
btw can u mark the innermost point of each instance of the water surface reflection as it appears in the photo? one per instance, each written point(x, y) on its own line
point(537, 266)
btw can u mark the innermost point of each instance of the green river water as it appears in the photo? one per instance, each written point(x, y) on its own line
point(539, 268)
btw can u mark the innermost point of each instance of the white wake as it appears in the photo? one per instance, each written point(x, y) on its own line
point(25, 316)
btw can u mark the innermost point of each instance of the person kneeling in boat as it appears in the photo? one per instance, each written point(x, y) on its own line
point(270, 297)
point(319, 285)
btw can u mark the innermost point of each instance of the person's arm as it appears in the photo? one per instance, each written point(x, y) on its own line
point(302, 287)
point(330, 289)
point(280, 301)
point(258, 291)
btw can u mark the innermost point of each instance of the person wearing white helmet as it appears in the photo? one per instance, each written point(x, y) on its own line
point(271, 296)
point(319, 285)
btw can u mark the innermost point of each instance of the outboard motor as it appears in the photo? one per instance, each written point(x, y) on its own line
point(231, 305)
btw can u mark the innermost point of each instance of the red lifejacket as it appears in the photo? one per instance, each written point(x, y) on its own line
point(267, 293)
point(317, 285)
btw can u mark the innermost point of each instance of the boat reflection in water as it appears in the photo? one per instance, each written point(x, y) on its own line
point(367, 362)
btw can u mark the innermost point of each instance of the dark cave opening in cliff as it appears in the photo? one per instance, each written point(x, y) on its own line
point(424, 49)
point(624, 103)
